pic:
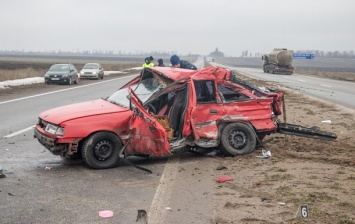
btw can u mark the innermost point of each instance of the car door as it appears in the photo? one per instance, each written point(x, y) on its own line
point(147, 135)
point(206, 112)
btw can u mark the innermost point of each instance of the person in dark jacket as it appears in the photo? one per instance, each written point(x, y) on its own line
point(177, 63)
point(161, 62)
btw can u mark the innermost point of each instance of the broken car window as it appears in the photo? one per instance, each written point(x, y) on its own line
point(230, 95)
point(205, 91)
point(143, 90)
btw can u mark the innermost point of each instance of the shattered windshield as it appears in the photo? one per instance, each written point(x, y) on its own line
point(143, 90)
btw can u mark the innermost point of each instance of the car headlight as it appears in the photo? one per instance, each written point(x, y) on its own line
point(94, 73)
point(65, 75)
point(54, 129)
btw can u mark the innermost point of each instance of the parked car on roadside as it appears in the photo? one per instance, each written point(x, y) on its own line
point(92, 71)
point(166, 110)
point(62, 73)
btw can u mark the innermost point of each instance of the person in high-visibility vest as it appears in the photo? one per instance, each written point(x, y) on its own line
point(147, 63)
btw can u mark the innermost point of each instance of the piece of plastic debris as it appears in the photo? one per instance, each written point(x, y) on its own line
point(106, 214)
point(168, 208)
point(142, 216)
point(265, 200)
point(265, 154)
point(281, 203)
point(48, 168)
point(221, 168)
point(223, 179)
point(327, 122)
point(7, 149)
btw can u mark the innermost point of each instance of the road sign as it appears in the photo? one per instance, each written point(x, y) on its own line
point(303, 56)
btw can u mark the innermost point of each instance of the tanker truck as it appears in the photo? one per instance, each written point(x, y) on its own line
point(278, 61)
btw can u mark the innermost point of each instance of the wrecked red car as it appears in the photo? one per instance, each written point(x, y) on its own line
point(166, 110)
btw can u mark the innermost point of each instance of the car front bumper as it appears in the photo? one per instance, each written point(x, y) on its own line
point(89, 76)
point(49, 143)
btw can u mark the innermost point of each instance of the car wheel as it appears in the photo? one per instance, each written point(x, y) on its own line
point(76, 81)
point(237, 139)
point(70, 82)
point(100, 150)
point(102, 76)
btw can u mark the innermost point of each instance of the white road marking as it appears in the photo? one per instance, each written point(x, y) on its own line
point(325, 85)
point(62, 90)
point(19, 132)
point(162, 195)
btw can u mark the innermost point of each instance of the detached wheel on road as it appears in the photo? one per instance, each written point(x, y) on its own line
point(100, 150)
point(237, 139)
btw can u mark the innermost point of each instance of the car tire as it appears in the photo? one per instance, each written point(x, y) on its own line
point(76, 81)
point(101, 150)
point(237, 139)
point(102, 76)
point(70, 81)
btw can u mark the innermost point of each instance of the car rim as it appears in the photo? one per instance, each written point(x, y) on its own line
point(238, 139)
point(103, 150)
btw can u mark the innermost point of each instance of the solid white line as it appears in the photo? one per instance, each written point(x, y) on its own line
point(62, 90)
point(19, 132)
point(162, 195)
point(325, 85)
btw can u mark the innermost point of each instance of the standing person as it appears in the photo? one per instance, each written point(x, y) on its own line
point(177, 63)
point(147, 63)
point(161, 62)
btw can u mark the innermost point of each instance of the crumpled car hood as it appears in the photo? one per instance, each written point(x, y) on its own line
point(90, 108)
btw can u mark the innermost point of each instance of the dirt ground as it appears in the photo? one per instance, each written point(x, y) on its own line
point(301, 171)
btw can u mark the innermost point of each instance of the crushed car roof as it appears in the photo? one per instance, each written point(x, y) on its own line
point(210, 72)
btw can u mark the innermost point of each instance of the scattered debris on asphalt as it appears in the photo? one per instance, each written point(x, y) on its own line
point(1, 174)
point(106, 214)
point(142, 217)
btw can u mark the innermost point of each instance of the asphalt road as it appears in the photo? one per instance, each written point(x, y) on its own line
point(42, 188)
point(337, 92)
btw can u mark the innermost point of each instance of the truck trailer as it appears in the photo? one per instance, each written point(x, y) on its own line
point(278, 61)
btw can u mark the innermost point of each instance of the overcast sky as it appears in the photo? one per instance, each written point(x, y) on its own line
point(184, 26)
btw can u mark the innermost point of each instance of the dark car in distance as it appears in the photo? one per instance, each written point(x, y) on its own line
point(62, 73)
